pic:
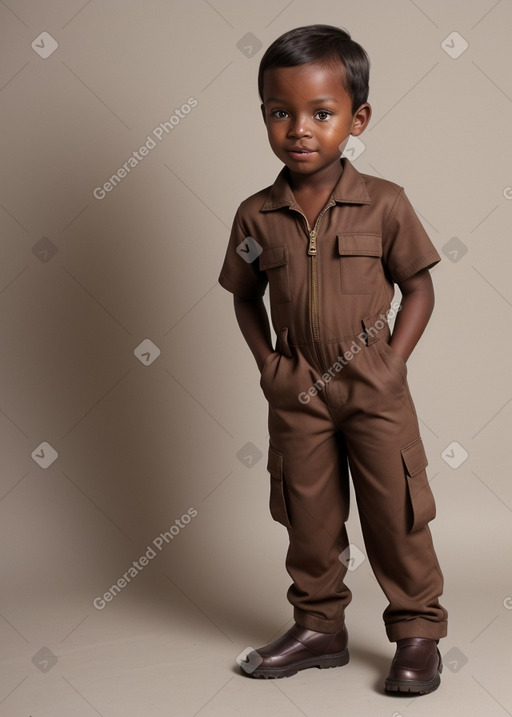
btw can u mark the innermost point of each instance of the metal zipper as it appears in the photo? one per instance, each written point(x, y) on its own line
point(312, 251)
point(313, 294)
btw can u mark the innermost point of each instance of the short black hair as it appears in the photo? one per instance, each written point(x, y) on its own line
point(322, 44)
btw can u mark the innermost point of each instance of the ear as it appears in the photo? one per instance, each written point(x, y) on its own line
point(264, 115)
point(361, 119)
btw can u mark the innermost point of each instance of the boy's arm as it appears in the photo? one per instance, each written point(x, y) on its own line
point(253, 321)
point(416, 307)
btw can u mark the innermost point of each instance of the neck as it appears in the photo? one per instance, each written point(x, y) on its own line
point(323, 180)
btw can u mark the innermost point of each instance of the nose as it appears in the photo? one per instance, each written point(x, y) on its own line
point(299, 127)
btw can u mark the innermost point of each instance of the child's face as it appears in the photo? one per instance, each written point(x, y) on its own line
point(308, 115)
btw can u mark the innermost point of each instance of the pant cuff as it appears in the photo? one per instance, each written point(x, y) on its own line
point(419, 627)
point(318, 624)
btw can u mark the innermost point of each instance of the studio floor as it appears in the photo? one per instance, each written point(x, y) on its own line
point(154, 652)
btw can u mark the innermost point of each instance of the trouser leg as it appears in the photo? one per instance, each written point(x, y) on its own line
point(395, 502)
point(309, 496)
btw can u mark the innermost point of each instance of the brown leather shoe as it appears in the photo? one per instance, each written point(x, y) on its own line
point(416, 667)
point(296, 650)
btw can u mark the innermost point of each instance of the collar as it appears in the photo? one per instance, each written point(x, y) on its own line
point(350, 189)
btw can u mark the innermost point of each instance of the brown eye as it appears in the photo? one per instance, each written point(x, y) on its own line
point(323, 115)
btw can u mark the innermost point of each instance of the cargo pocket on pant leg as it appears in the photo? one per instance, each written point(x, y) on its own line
point(420, 494)
point(277, 503)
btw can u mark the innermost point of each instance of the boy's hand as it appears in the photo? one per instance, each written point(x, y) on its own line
point(416, 309)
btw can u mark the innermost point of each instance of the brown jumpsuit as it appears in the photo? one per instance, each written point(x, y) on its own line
point(338, 395)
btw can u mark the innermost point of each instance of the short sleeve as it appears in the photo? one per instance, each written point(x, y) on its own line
point(406, 246)
point(240, 273)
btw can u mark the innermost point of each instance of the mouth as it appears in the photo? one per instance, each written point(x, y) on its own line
point(301, 152)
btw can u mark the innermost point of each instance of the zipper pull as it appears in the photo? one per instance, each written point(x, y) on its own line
point(312, 243)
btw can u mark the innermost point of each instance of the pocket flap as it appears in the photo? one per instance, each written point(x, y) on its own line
point(356, 244)
point(273, 256)
point(278, 501)
point(422, 501)
point(414, 457)
point(275, 463)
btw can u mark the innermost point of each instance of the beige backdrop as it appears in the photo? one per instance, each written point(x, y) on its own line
point(128, 398)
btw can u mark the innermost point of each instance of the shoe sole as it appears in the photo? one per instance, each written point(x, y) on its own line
point(413, 687)
point(337, 660)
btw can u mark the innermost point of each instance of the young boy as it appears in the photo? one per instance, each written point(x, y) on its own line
point(331, 243)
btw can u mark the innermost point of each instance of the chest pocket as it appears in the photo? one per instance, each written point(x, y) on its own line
point(274, 260)
point(360, 262)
